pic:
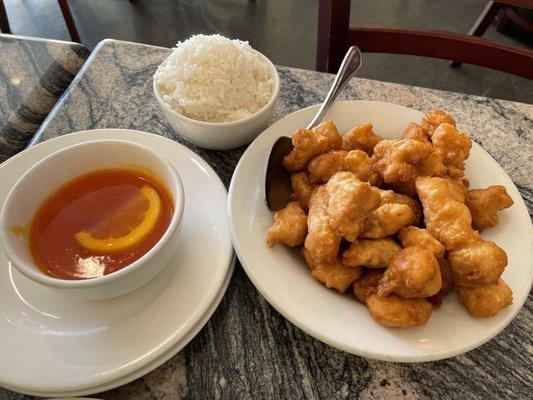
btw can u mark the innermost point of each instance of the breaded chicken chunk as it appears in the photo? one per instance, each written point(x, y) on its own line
point(350, 201)
point(362, 166)
point(479, 263)
point(322, 241)
point(486, 301)
point(453, 147)
point(416, 132)
point(334, 275)
point(395, 311)
point(413, 236)
point(413, 273)
point(447, 219)
point(324, 166)
point(361, 137)
point(310, 143)
point(390, 197)
point(290, 226)
point(371, 253)
point(400, 161)
point(434, 118)
point(484, 205)
point(386, 220)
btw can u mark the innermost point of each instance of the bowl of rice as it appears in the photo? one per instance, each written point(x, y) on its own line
point(216, 92)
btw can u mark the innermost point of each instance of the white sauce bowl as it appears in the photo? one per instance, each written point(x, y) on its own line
point(41, 180)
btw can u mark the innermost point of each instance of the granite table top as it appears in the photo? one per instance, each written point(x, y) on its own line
point(34, 73)
point(248, 350)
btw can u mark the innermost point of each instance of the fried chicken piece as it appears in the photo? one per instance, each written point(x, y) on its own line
point(349, 203)
point(446, 276)
point(434, 118)
point(447, 219)
point(324, 166)
point(484, 205)
point(413, 236)
point(391, 197)
point(367, 285)
point(290, 226)
point(310, 143)
point(303, 188)
point(334, 275)
point(396, 311)
point(361, 137)
point(362, 166)
point(400, 161)
point(322, 242)
point(454, 148)
point(486, 301)
point(371, 253)
point(386, 220)
point(416, 132)
point(414, 273)
point(479, 263)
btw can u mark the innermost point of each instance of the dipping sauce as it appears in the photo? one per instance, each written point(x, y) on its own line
point(99, 223)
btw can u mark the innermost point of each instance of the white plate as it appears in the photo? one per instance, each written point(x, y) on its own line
point(158, 361)
point(52, 344)
point(338, 320)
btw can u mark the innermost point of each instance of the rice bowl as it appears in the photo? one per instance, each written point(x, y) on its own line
point(215, 79)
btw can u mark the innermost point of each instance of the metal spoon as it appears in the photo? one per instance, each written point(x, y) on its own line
point(278, 186)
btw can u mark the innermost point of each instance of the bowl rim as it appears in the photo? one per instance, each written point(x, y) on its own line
point(32, 271)
point(271, 101)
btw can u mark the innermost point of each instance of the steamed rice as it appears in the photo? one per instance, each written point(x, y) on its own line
point(215, 79)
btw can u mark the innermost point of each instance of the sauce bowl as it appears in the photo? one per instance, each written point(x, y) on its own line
point(41, 180)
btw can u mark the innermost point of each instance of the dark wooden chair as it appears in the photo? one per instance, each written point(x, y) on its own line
point(508, 14)
point(335, 36)
point(65, 10)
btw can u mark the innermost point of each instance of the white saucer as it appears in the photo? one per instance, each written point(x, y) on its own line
point(52, 345)
point(282, 277)
point(160, 360)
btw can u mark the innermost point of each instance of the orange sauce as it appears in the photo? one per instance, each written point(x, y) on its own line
point(80, 204)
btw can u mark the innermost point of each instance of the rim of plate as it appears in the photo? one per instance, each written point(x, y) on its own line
point(301, 323)
point(48, 147)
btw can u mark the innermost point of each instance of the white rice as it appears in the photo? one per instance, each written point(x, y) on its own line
point(215, 79)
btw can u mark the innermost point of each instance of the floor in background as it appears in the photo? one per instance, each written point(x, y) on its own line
point(284, 30)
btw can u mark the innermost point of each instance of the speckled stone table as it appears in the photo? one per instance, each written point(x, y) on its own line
point(34, 73)
point(249, 351)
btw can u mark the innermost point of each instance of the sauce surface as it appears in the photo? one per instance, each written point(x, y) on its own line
point(89, 203)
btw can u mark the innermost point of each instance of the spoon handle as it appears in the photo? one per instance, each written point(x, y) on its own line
point(349, 66)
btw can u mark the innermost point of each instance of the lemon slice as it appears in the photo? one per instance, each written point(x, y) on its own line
point(127, 227)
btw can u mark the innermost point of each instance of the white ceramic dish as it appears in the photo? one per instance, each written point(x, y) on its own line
point(53, 347)
point(284, 280)
point(47, 175)
point(221, 135)
point(158, 361)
